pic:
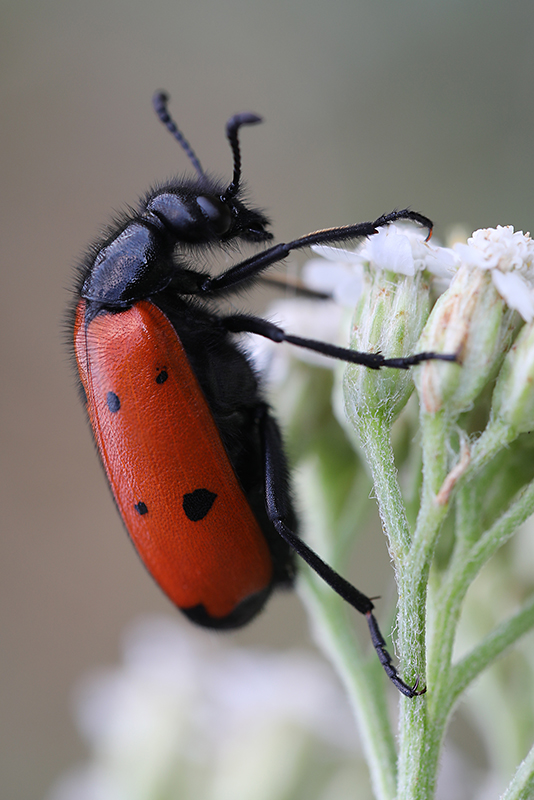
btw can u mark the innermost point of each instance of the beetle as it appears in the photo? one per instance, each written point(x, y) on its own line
point(192, 452)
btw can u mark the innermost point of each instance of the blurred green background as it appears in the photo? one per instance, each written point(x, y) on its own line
point(368, 105)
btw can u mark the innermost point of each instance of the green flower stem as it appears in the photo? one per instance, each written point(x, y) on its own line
point(447, 682)
point(415, 780)
point(468, 521)
point(497, 435)
point(417, 772)
point(522, 785)
point(412, 577)
point(423, 720)
point(374, 432)
point(461, 574)
point(412, 560)
point(412, 565)
point(362, 679)
point(435, 436)
point(492, 646)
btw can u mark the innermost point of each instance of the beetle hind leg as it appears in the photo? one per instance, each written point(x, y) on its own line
point(277, 503)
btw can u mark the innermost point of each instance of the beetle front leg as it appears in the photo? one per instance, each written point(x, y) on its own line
point(256, 264)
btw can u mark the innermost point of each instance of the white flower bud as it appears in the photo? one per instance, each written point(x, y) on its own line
point(471, 320)
point(476, 317)
point(388, 319)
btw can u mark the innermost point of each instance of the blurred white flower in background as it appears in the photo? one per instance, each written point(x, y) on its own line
point(186, 717)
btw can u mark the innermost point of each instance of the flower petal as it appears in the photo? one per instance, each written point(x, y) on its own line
point(515, 291)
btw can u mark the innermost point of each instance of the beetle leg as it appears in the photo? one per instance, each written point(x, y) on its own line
point(277, 504)
point(241, 323)
point(253, 266)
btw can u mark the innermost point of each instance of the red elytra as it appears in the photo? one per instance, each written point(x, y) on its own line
point(159, 444)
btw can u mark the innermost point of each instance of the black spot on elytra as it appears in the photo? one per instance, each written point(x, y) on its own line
point(162, 376)
point(197, 504)
point(141, 508)
point(113, 402)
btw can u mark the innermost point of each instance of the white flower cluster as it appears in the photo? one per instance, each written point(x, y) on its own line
point(508, 254)
point(496, 264)
point(510, 257)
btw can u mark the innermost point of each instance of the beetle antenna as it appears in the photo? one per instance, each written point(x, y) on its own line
point(232, 128)
point(159, 101)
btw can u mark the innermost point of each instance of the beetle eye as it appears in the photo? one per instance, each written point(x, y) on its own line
point(217, 213)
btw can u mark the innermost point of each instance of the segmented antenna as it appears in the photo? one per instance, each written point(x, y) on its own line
point(232, 128)
point(159, 101)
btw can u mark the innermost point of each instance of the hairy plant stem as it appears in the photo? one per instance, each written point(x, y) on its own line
point(423, 720)
point(412, 563)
